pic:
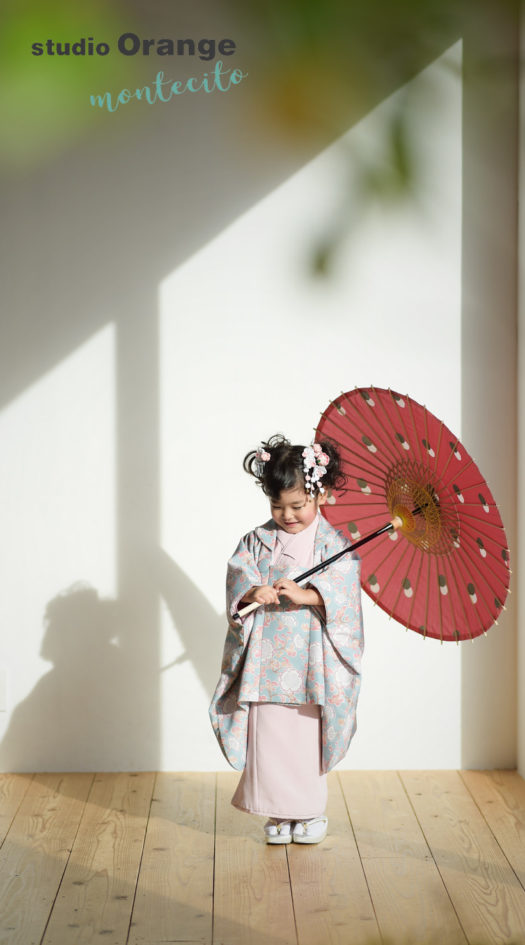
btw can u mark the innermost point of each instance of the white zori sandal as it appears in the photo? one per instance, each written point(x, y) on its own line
point(310, 831)
point(278, 831)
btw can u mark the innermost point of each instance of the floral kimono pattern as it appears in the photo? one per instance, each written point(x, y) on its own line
point(289, 654)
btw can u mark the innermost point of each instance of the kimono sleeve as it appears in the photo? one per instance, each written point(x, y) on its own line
point(340, 587)
point(242, 574)
point(228, 715)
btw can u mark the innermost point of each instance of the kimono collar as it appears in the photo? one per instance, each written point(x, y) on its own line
point(267, 533)
point(325, 532)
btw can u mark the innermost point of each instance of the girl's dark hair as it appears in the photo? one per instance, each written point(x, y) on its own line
point(284, 469)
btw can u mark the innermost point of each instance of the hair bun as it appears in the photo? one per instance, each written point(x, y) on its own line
point(285, 466)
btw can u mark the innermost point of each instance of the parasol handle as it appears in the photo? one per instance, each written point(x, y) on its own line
point(392, 526)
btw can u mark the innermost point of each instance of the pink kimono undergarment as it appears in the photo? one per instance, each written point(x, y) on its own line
point(283, 776)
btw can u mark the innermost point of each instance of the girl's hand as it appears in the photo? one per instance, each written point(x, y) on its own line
point(262, 594)
point(292, 591)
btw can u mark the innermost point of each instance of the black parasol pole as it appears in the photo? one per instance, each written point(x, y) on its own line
point(389, 527)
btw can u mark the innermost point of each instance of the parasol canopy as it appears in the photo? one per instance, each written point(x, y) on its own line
point(445, 572)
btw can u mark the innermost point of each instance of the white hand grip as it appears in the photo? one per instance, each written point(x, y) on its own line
point(248, 609)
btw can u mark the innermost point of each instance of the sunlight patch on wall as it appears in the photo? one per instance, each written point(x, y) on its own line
point(251, 346)
point(58, 489)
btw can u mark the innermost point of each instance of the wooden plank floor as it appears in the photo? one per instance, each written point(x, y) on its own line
point(419, 857)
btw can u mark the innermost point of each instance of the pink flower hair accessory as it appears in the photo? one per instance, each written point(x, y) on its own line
point(261, 457)
point(315, 463)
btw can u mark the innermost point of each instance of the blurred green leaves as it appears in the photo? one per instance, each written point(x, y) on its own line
point(317, 67)
point(328, 63)
point(44, 102)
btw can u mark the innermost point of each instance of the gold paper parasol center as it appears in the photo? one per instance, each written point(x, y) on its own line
point(430, 520)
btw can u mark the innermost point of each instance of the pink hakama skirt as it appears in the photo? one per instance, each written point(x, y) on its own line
point(283, 776)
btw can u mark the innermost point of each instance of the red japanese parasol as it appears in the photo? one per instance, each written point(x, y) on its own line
point(445, 571)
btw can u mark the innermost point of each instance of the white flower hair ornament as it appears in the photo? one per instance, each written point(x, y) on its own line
point(315, 463)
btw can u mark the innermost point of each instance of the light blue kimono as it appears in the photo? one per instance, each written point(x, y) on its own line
point(289, 654)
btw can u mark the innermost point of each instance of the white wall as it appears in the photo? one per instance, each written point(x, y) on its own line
point(489, 345)
point(249, 347)
point(205, 357)
point(58, 485)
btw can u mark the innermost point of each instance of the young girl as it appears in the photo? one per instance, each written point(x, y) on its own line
point(284, 707)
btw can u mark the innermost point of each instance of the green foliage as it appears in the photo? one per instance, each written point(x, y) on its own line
point(44, 105)
point(334, 61)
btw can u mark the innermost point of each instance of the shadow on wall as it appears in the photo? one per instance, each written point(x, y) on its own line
point(91, 237)
point(201, 629)
point(85, 700)
point(88, 704)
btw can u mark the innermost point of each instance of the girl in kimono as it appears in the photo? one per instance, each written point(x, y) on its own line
point(285, 706)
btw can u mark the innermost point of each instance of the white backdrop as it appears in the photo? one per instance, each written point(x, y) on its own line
point(251, 347)
point(248, 345)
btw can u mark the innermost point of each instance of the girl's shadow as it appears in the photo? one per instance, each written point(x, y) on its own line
point(85, 707)
point(200, 628)
point(84, 704)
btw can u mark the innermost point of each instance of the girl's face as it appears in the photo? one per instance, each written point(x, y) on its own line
point(295, 509)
